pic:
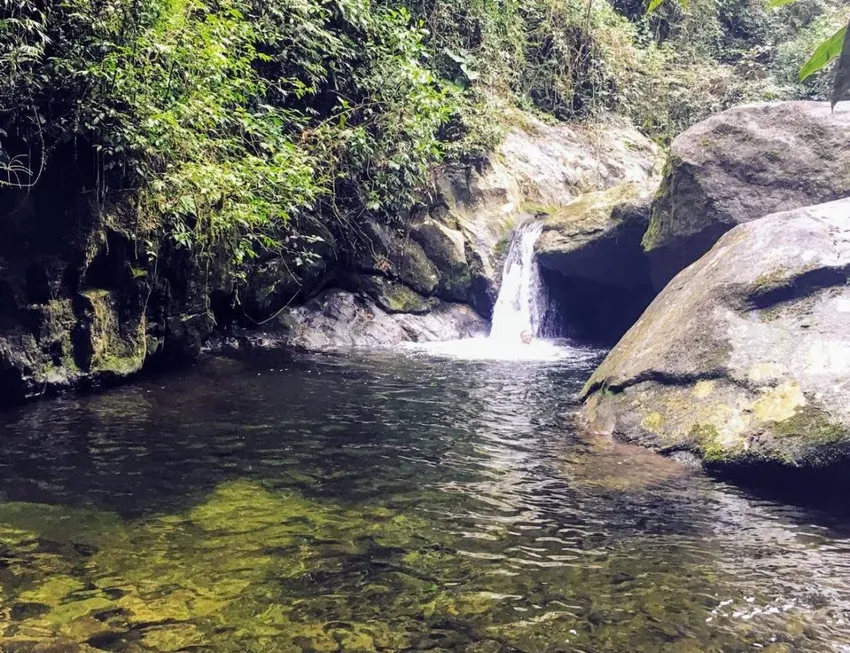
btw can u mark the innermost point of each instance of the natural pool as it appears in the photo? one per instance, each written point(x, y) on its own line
point(279, 502)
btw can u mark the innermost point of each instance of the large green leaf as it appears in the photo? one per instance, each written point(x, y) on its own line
point(773, 4)
point(653, 5)
point(842, 73)
point(826, 52)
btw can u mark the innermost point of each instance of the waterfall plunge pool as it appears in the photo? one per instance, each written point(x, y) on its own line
point(387, 502)
point(434, 498)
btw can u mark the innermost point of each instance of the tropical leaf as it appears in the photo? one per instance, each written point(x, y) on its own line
point(653, 5)
point(825, 52)
point(842, 74)
point(773, 4)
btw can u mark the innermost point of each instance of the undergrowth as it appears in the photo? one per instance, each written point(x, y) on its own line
point(255, 126)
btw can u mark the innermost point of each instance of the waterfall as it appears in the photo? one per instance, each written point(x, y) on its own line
point(521, 305)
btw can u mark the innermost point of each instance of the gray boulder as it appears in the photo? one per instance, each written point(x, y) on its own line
point(744, 357)
point(338, 319)
point(598, 236)
point(741, 165)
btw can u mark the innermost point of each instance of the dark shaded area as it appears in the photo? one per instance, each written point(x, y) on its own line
point(818, 488)
point(591, 311)
point(797, 287)
point(667, 262)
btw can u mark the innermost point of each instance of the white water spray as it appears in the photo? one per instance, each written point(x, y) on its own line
point(521, 305)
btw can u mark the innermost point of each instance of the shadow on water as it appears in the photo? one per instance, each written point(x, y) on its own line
point(277, 502)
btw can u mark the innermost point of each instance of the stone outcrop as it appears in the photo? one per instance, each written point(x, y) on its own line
point(450, 251)
point(538, 169)
point(337, 319)
point(741, 165)
point(744, 358)
point(593, 263)
point(81, 303)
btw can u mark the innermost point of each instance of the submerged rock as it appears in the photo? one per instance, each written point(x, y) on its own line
point(338, 319)
point(745, 357)
point(741, 165)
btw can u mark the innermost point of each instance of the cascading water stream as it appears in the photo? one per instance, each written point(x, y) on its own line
point(521, 304)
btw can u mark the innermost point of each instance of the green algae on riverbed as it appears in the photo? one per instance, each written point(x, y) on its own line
point(253, 568)
point(385, 505)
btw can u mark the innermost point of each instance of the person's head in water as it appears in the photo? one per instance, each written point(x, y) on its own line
point(526, 337)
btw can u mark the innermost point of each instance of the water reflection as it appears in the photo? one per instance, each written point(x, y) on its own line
point(387, 502)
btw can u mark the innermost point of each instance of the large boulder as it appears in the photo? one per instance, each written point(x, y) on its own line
point(592, 260)
point(741, 165)
point(744, 358)
point(337, 319)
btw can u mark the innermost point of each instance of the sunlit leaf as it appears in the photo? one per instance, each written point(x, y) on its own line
point(826, 52)
point(842, 73)
point(773, 4)
point(653, 5)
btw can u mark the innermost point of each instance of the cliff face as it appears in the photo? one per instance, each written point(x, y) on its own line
point(81, 299)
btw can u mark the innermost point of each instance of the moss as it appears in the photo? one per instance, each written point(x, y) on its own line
point(779, 403)
point(110, 340)
point(811, 424)
point(592, 210)
point(395, 297)
point(706, 438)
point(500, 249)
point(533, 208)
point(653, 423)
point(778, 278)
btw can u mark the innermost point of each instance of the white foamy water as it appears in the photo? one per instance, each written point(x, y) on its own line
point(495, 350)
point(521, 303)
point(521, 306)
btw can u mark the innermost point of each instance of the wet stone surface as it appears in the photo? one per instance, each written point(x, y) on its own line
point(389, 502)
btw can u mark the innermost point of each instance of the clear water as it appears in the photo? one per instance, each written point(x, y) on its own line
point(393, 502)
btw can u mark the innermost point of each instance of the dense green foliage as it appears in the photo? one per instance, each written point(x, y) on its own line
point(254, 125)
point(837, 46)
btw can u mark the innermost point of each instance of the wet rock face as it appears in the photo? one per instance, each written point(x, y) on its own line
point(81, 304)
point(338, 319)
point(745, 357)
point(538, 169)
point(741, 165)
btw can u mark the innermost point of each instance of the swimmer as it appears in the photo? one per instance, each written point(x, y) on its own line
point(526, 337)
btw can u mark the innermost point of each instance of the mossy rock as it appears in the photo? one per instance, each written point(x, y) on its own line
point(391, 296)
point(445, 248)
point(743, 359)
point(596, 238)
